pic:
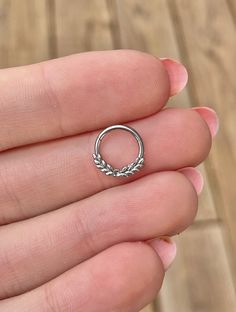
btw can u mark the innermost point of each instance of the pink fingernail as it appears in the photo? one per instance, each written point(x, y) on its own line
point(195, 178)
point(166, 249)
point(210, 117)
point(178, 75)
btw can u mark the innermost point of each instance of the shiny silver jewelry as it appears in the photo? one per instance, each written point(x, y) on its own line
point(127, 170)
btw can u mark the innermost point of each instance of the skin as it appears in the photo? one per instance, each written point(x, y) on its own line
point(72, 239)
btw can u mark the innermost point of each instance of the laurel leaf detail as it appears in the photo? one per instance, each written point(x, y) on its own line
point(123, 172)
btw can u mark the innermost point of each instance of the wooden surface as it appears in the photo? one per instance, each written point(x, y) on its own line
point(202, 35)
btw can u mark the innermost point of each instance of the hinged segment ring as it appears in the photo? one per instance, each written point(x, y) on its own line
point(126, 171)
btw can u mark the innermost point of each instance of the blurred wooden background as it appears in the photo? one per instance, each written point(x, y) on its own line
point(202, 34)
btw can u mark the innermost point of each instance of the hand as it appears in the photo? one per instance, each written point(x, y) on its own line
point(71, 238)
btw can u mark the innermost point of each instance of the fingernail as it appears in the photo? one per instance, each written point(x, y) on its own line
point(210, 117)
point(166, 249)
point(178, 75)
point(195, 177)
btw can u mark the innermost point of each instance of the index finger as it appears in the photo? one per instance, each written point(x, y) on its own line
point(79, 93)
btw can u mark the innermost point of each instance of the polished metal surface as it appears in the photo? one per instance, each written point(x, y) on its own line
point(126, 171)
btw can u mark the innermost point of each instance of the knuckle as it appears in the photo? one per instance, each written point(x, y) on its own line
point(10, 279)
point(52, 301)
point(52, 99)
point(10, 203)
point(85, 234)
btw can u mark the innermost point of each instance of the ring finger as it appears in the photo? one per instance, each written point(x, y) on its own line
point(156, 205)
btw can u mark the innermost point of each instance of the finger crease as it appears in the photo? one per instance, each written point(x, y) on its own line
point(53, 99)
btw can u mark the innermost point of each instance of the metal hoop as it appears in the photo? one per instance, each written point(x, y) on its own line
point(127, 170)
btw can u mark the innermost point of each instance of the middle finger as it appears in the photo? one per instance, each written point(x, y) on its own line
point(50, 175)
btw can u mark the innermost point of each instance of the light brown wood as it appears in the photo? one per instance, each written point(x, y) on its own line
point(23, 32)
point(82, 26)
point(210, 45)
point(200, 279)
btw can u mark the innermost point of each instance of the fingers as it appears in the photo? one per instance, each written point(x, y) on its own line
point(48, 176)
point(156, 205)
point(123, 278)
point(79, 93)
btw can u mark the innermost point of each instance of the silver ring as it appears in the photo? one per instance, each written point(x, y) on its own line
point(126, 171)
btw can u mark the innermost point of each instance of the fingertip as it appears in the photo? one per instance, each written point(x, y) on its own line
point(177, 73)
point(195, 177)
point(166, 248)
point(210, 117)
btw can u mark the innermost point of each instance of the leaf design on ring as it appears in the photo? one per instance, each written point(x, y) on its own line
point(123, 172)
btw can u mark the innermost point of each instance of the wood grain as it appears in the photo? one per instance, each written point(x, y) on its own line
point(23, 32)
point(211, 61)
point(200, 279)
point(82, 26)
